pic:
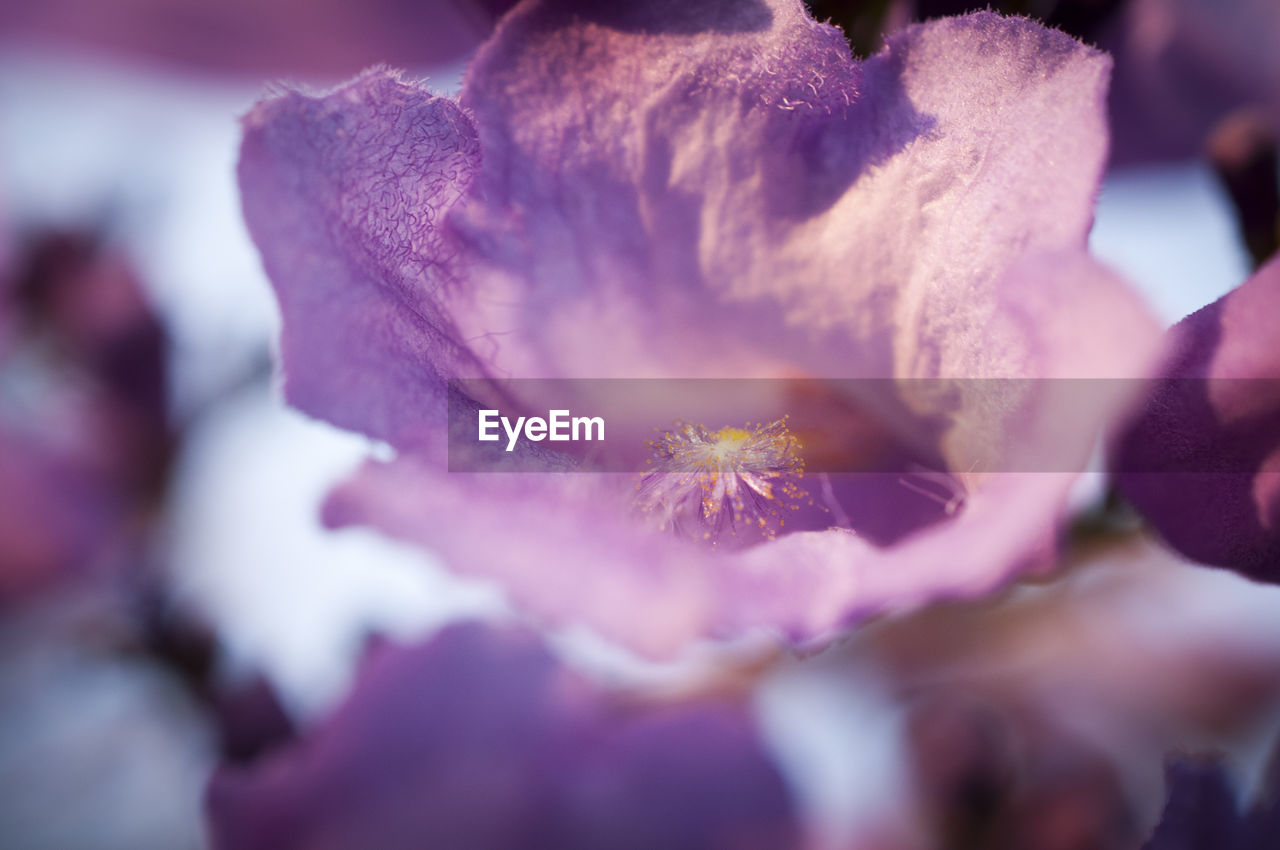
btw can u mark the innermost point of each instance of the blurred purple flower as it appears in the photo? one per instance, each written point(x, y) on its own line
point(330, 37)
point(479, 739)
point(995, 776)
point(1202, 461)
point(85, 441)
point(1037, 719)
point(704, 190)
point(1202, 811)
point(55, 513)
point(1184, 65)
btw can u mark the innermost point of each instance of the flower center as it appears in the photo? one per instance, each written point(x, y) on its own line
point(708, 484)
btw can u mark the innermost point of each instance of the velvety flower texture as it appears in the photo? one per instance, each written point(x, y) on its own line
point(478, 739)
point(705, 190)
point(1202, 462)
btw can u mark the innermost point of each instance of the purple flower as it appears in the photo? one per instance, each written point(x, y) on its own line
point(1038, 719)
point(706, 191)
point(1202, 811)
point(1184, 65)
point(1202, 461)
point(993, 775)
point(85, 441)
point(55, 512)
point(479, 739)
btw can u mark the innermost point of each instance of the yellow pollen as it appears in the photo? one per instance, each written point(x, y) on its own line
point(705, 483)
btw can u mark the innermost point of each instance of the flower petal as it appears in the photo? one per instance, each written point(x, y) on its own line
point(343, 195)
point(755, 202)
point(478, 739)
point(1202, 809)
point(1184, 65)
point(57, 514)
point(1202, 462)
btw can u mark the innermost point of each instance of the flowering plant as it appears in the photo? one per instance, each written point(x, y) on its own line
point(710, 192)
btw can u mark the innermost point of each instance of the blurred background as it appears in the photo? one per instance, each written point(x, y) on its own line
point(170, 601)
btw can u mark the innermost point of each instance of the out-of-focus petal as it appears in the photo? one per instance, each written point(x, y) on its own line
point(994, 774)
point(478, 739)
point(1204, 645)
point(1202, 811)
point(56, 514)
point(1069, 693)
point(566, 551)
point(1184, 65)
point(563, 545)
point(1202, 461)
point(85, 439)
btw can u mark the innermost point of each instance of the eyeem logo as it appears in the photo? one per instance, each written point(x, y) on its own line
point(559, 426)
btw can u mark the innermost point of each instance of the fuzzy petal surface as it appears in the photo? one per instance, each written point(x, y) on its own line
point(720, 190)
point(344, 195)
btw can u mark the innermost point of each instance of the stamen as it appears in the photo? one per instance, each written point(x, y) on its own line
point(705, 484)
point(951, 490)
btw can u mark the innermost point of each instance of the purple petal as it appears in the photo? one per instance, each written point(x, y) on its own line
point(1184, 65)
point(563, 545)
point(750, 201)
point(85, 441)
point(343, 195)
point(1202, 811)
point(989, 766)
point(1202, 462)
point(568, 551)
point(478, 739)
